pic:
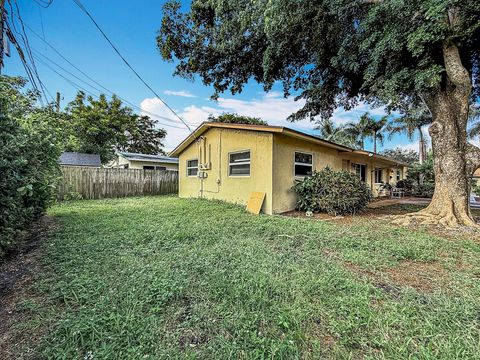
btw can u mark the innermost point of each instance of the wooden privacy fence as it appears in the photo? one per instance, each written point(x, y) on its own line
point(96, 183)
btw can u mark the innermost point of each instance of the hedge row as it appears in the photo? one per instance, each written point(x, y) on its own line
point(29, 153)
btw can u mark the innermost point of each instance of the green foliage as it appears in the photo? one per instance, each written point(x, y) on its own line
point(169, 278)
point(229, 118)
point(329, 53)
point(359, 130)
point(403, 155)
point(337, 134)
point(333, 192)
point(424, 170)
point(475, 187)
point(102, 127)
point(30, 147)
point(422, 177)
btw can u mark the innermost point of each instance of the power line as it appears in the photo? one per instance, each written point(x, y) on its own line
point(80, 5)
point(90, 78)
point(97, 89)
point(81, 88)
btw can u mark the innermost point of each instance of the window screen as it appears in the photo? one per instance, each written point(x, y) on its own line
point(239, 163)
point(303, 164)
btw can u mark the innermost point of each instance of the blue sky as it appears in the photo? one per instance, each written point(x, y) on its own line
point(132, 26)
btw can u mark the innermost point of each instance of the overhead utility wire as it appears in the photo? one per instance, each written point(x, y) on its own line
point(24, 38)
point(76, 85)
point(92, 79)
point(31, 74)
point(80, 5)
point(37, 53)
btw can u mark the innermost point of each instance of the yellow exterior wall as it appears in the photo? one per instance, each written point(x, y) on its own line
point(218, 184)
point(272, 168)
point(284, 149)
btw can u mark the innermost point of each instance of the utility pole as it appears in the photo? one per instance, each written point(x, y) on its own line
point(58, 102)
point(2, 18)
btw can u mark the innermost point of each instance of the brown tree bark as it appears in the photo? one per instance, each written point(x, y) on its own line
point(454, 158)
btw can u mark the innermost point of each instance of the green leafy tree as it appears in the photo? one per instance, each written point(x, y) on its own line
point(102, 127)
point(229, 118)
point(30, 145)
point(335, 53)
point(403, 155)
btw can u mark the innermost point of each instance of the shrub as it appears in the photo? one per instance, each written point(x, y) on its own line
point(333, 192)
point(28, 165)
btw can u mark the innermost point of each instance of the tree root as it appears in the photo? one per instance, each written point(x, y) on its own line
point(426, 217)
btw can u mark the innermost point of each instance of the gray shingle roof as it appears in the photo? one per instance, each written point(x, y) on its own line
point(148, 158)
point(80, 159)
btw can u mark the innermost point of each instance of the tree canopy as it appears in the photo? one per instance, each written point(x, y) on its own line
point(103, 126)
point(403, 155)
point(230, 118)
point(330, 53)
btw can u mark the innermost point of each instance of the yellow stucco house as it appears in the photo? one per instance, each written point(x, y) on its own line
point(230, 161)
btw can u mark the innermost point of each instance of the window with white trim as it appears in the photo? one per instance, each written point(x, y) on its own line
point(239, 163)
point(399, 174)
point(361, 171)
point(192, 167)
point(303, 164)
point(378, 175)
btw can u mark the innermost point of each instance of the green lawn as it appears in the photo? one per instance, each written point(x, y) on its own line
point(165, 277)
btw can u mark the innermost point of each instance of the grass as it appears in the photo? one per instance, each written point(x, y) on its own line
point(163, 277)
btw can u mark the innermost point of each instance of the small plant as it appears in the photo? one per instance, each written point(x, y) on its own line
point(72, 195)
point(333, 192)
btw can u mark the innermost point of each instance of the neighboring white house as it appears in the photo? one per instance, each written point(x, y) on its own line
point(127, 160)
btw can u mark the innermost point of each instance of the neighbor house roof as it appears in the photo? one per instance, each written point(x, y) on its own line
point(148, 158)
point(80, 159)
point(275, 129)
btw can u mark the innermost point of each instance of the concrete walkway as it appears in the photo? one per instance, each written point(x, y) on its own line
point(405, 200)
point(408, 200)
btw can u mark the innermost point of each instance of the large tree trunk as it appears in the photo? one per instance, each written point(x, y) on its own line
point(454, 158)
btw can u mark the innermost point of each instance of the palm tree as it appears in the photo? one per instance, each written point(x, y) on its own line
point(330, 132)
point(358, 130)
point(411, 123)
point(474, 117)
point(376, 129)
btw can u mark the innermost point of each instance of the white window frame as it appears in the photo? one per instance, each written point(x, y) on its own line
point(301, 164)
point(354, 165)
point(398, 175)
point(375, 175)
point(192, 167)
point(245, 162)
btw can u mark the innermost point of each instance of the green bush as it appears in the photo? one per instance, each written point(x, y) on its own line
point(28, 164)
point(333, 192)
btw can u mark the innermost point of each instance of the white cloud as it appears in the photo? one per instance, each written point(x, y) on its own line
point(407, 146)
point(176, 131)
point(181, 93)
point(271, 107)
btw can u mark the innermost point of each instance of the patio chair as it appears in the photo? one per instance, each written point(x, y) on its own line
point(397, 193)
